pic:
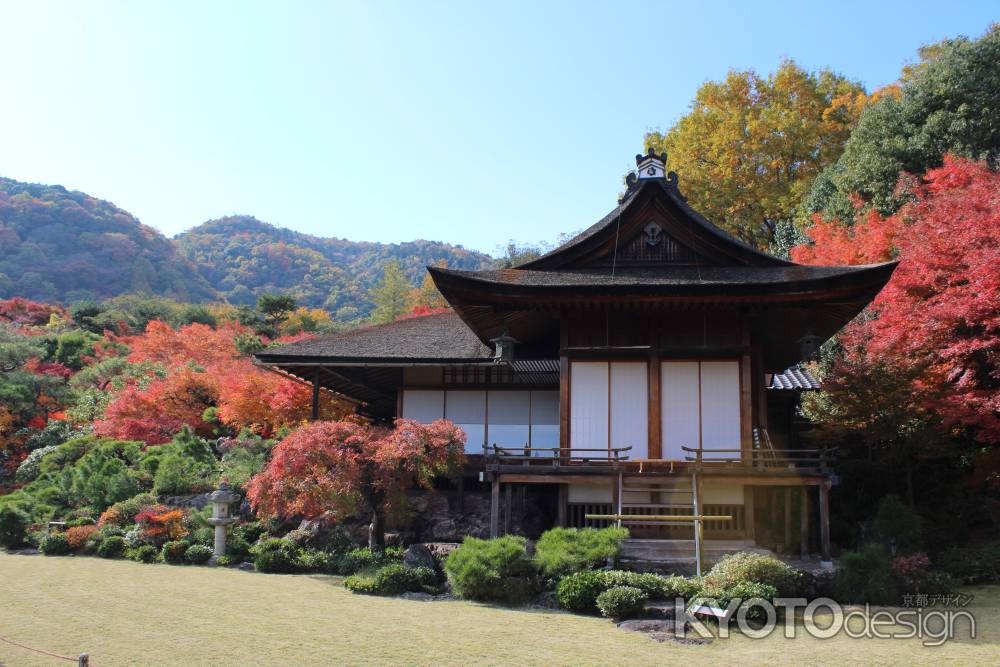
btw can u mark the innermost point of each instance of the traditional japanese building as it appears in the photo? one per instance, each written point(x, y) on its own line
point(645, 368)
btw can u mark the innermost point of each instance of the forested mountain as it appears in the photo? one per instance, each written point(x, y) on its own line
point(242, 258)
point(62, 246)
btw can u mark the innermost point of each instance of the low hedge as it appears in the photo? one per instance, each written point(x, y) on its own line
point(620, 602)
point(393, 579)
point(579, 592)
point(144, 553)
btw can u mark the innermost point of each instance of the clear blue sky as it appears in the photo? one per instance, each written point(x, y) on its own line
point(469, 122)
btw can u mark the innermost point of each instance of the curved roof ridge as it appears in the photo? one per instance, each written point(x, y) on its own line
point(669, 186)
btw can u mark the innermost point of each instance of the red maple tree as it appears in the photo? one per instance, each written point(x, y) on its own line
point(937, 322)
point(332, 470)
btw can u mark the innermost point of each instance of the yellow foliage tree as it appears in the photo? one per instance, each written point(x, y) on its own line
point(751, 146)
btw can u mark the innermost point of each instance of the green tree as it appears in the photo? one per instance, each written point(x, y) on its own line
point(750, 147)
point(391, 295)
point(948, 104)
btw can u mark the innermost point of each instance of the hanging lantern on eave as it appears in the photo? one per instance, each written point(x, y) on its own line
point(503, 346)
point(809, 346)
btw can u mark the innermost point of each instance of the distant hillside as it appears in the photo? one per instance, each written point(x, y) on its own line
point(58, 245)
point(243, 257)
point(62, 246)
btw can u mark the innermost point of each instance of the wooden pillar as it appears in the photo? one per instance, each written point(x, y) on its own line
point(750, 532)
point(746, 408)
point(699, 535)
point(314, 415)
point(563, 505)
point(804, 521)
point(564, 371)
point(508, 501)
point(824, 519)
point(616, 496)
point(788, 519)
point(655, 419)
point(495, 506)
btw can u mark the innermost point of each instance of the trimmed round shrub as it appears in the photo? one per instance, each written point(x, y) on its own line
point(111, 547)
point(393, 579)
point(145, 553)
point(744, 567)
point(227, 561)
point(561, 551)
point(578, 592)
point(620, 602)
point(277, 556)
point(13, 527)
point(496, 570)
point(55, 545)
point(173, 552)
point(865, 576)
point(198, 554)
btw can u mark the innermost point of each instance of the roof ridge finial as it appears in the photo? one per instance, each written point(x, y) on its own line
point(651, 166)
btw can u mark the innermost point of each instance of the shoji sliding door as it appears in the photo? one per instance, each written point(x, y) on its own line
point(588, 410)
point(720, 407)
point(609, 406)
point(700, 407)
point(681, 409)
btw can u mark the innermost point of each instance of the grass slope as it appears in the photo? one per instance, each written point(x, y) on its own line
point(124, 613)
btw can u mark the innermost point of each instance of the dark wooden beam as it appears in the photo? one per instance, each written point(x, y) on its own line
point(495, 506)
point(563, 511)
point(748, 513)
point(788, 518)
point(804, 522)
point(824, 520)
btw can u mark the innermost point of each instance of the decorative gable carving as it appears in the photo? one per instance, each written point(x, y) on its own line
point(653, 246)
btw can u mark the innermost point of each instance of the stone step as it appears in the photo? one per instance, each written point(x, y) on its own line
point(671, 552)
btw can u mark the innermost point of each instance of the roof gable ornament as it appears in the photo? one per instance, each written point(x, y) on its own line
point(651, 165)
point(648, 167)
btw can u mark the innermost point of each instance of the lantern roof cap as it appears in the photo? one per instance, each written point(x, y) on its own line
point(224, 494)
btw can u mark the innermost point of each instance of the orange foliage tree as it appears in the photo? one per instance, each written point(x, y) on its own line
point(204, 369)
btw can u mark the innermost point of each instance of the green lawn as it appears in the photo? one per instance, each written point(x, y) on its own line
point(124, 613)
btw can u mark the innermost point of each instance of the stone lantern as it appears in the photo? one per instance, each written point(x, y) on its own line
point(221, 499)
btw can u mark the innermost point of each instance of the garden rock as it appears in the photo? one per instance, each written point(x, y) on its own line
point(440, 552)
point(246, 567)
point(418, 555)
point(195, 501)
